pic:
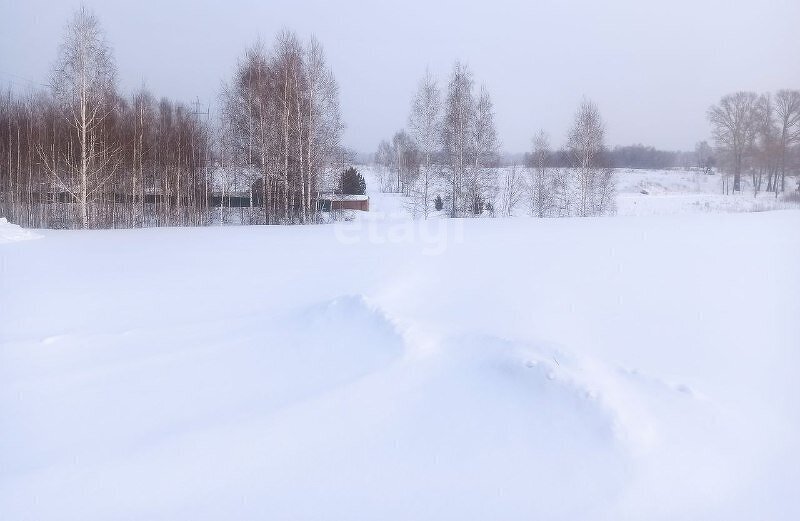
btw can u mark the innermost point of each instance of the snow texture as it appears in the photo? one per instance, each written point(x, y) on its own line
point(560, 369)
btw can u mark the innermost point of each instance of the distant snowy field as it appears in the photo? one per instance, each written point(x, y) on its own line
point(636, 367)
point(670, 192)
point(649, 192)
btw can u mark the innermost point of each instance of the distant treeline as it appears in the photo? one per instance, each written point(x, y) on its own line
point(631, 156)
point(83, 155)
point(447, 159)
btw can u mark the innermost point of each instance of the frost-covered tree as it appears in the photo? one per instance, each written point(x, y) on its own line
point(511, 190)
point(457, 127)
point(323, 122)
point(541, 184)
point(405, 162)
point(250, 138)
point(281, 120)
point(425, 126)
point(484, 132)
point(456, 139)
point(383, 162)
point(586, 143)
point(481, 179)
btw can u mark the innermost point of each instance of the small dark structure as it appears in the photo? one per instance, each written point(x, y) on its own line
point(331, 202)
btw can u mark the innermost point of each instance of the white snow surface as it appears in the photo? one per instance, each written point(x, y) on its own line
point(670, 192)
point(12, 233)
point(559, 369)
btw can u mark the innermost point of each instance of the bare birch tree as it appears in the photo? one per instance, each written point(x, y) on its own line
point(541, 184)
point(405, 162)
point(511, 191)
point(482, 176)
point(83, 83)
point(324, 124)
point(456, 133)
point(281, 119)
point(383, 161)
point(595, 184)
point(425, 126)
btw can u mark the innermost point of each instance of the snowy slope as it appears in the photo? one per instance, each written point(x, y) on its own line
point(626, 368)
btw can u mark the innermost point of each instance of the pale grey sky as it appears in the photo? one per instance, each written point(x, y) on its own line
point(653, 67)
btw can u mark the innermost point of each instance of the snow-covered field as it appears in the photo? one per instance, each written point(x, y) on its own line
point(636, 367)
point(639, 193)
point(670, 192)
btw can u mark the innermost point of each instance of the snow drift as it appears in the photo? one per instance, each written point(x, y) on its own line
point(12, 233)
point(626, 368)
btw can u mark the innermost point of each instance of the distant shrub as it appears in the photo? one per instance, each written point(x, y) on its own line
point(438, 203)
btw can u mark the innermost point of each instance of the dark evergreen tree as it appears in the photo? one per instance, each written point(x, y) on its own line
point(352, 182)
point(438, 203)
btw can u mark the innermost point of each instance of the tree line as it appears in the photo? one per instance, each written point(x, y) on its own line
point(448, 158)
point(757, 135)
point(81, 155)
point(281, 127)
point(452, 140)
point(636, 156)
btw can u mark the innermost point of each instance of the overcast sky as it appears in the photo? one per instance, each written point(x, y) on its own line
point(652, 67)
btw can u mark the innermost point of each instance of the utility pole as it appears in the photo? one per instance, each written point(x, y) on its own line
point(197, 111)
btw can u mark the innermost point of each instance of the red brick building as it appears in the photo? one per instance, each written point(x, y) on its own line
point(330, 202)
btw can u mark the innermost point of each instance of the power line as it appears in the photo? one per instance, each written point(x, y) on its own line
point(197, 111)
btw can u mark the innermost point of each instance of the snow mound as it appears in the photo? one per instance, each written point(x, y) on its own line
point(346, 335)
point(616, 404)
point(13, 233)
